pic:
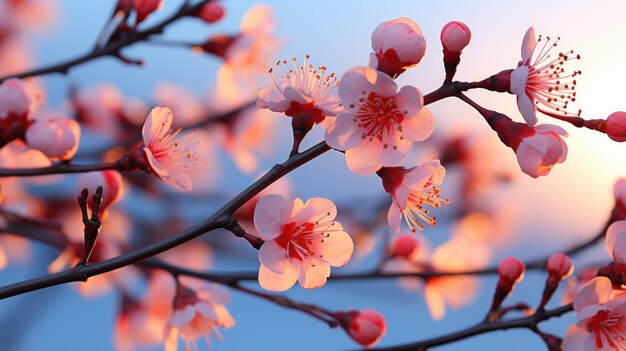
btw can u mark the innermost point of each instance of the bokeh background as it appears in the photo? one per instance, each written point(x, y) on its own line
point(550, 213)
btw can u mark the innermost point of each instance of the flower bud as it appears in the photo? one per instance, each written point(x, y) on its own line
point(616, 126)
point(145, 8)
point(403, 246)
point(560, 266)
point(109, 180)
point(366, 327)
point(398, 44)
point(57, 138)
point(455, 36)
point(211, 12)
point(511, 269)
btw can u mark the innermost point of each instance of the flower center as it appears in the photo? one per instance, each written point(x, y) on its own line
point(548, 82)
point(303, 241)
point(176, 152)
point(606, 327)
point(415, 215)
point(380, 118)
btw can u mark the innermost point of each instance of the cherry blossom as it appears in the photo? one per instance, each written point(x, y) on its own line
point(539, 152)
point(380, 123)
point(197, 314)
point(186, 107)
point(542, 84)
point(616, 244)
point(455, 36)
point(366, 326)
point(616, 126)
point(169, 156)
point(398, 45)
point(410, 190)
point(302, 241)
point(601, 319)
point(57, 137)
point(305, 93)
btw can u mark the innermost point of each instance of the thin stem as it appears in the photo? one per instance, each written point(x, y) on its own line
point(60, 168)
point(112, 48)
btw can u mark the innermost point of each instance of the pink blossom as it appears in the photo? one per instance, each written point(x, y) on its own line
point(144, 8)
point(455, 36)
point(211, 12)
point(302, 91)
point(366, 326)
point(58, 138)
point(197, 314)
point(540, 148)
point(410, 190)
point(111, 183)
point(542, 84)
point(560, 266)
point(380, 123)
point(616, 126)
point(302, 241)
point(601, 319)
point(17, 154)
point(398, 45)
point(403, 246)
point(169, 155)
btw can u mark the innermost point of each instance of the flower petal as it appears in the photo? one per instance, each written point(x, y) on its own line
point(344, 134)
point(157, 124)
point(527, 109)
point(394, 217)
point(182, 316)
point(318, 209)
point(409, 99)
point(272, 99)
point(273, 256)
point(337, 248)
point(278, 282)
point(528, 45)
point(575, 338)
point(313, 274)
point(419, 126)
point(519, 78)
point(363, 159)
point(270, 214)
point(595, 292)
point(617, 228)
point(396, 152)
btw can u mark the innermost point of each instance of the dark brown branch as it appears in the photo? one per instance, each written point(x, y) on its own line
point(217, 220)
point(112, 48)
point(60, 168)
point(482, 328)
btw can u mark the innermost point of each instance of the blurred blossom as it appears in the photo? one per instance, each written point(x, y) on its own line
point(616, 244)
point(398, 45)
point(458, 254)
point(15, 55)
point(601, 319)
point(195, 255)
point(380, 123)
point(540, 80)
point(619, 192)
point(21, 15)
point(16, 154)
point(302, 241)
point(186, 107)
point(57, 136)
point(197, 314)
point(16, 103)
point(246, 136)
point(249, 53)
point(418, 260)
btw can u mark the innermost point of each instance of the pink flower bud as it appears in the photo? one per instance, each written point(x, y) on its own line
point(145, 8)
point(511, 269)
point(366, 327)
point(211, 12)
point(403, 246)
point(111, 183)
point(560, 266)
point(398, 44)
point(455, 36)
point(57, 138)
point(616, 126)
